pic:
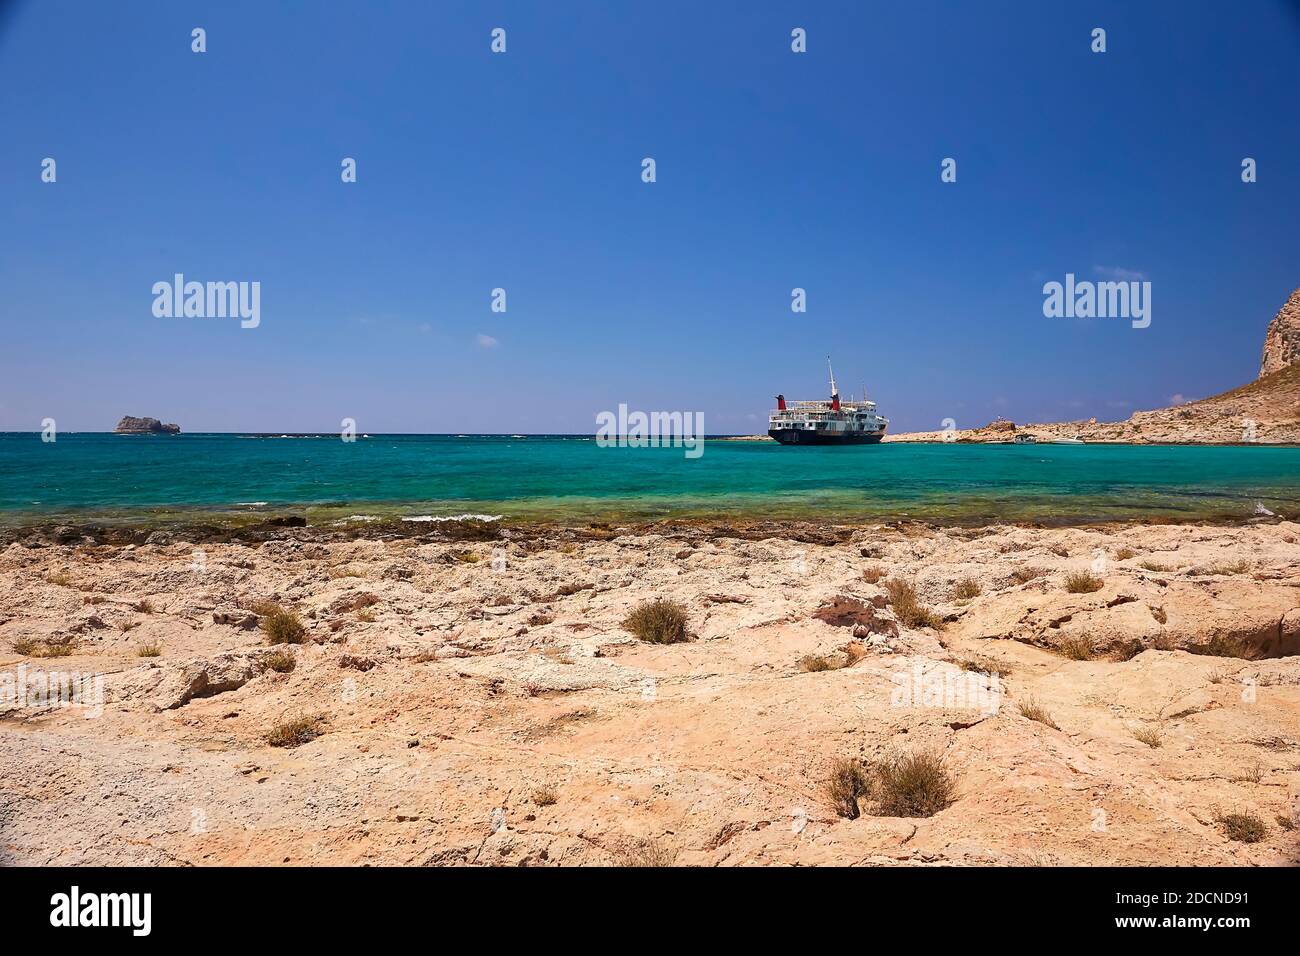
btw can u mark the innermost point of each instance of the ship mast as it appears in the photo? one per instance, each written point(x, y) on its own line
point(835, 392)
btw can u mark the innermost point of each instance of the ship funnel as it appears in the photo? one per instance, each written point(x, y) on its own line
point(780, 403)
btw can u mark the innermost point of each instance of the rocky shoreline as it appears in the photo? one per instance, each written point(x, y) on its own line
point(474, 696)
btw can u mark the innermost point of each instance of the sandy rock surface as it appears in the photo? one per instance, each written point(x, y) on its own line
point(481, 703)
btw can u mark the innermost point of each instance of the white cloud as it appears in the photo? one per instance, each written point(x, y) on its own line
point(1119, 274)
point(486, 341)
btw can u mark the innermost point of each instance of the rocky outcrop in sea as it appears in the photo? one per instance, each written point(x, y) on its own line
point(145, 426)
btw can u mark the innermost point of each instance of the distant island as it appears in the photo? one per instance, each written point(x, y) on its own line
point(145, 426)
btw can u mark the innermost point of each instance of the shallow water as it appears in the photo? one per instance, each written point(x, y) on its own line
point(93, 475)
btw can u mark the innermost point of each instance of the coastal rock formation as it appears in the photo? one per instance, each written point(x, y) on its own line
point(1282, 342)
point(145, 426)
point(459, 715)
point(1265, 411)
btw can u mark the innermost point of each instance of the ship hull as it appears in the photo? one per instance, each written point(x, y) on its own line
point(799, 436)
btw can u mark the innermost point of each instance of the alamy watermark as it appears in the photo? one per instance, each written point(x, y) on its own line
point(37, 688)
point(653, 430)
point(208, 300)
point(946, 688)
point(1085, 299)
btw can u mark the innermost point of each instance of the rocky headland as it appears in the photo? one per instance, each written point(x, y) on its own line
point(1265, 411)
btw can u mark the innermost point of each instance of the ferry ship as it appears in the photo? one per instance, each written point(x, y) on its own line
point(826, 423)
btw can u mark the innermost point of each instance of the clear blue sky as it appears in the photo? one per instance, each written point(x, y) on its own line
point(522, 171)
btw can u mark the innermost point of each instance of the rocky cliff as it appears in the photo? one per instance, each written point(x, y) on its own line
point(145, 426)
point(1282, 341)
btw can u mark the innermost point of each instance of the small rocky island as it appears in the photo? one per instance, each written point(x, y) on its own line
point(145, 426)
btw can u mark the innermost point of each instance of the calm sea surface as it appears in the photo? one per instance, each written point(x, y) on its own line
point(105, 476)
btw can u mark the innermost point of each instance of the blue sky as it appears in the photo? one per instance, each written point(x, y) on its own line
point(523, 171)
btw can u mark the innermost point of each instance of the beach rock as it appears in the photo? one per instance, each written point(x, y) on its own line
point(235, 617)
point(842, 611)
point(1149, 614)
point(145, 426)
point(713, 752)
point(168, 686)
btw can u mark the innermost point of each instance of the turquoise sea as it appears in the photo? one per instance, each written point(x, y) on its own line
point(104, 476)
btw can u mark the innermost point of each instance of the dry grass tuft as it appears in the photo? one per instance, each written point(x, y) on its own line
point(658, 622)
point(812, 663)
point(281, 660)
point(907, 606)
point(1025, 575)
point(1242, 827)
point(1151, 736)
point(849, 782)
point(1225, 646)
point(281, 626)
point(873, 574)
point(144, 606)
point(296, 731)
point(1082, 582)
point(912, 785)
point(60, 578)
point(1035, 711)
point(966, 588)
point(29, 647)
point(1076, 647)
point(151, 649)
point(647, 853)
point(545, 796)
point(983, 667)
point(1123, 554)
